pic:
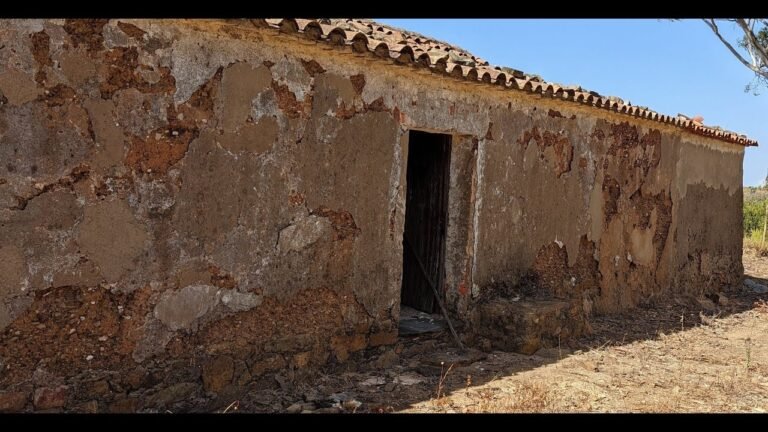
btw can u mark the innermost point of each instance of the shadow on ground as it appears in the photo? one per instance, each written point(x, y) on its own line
point(421, 368)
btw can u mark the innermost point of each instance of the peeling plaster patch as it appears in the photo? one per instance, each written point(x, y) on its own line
point(641, 246)
point(112, 237)
point(76, 273)
point(327, 129)
point(115, 36)
point(703, 164)
point(264, 104)
point(126, 72)
point(26, 25)
point(256, 137)
point(18, 87)
point(292, 73)
point(207, 222)
point(195, 58)
point(240, 302)
point(303, 233)
point(158, 197)
point(5, 317)
point(53, 211)
point(330, 92)
point(714, 145)
point(192, 65)
point(477, 213)
point(86, 32)
point(131, 30)
point(109, 137)
point(241, 83)
point(156, 338)
point(12, 270)
point(77, 67)
point(396, 213)
point(396, 195)
point(596, 205)
point(141, 114)
point(180, 309)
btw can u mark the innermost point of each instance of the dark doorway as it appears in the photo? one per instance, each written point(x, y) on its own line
point(426, 217)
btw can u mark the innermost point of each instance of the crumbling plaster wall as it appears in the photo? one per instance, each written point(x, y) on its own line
point(612, 212)
point(202, 201)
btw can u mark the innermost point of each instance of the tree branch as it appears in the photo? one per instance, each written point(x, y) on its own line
point(753, 42)
point(712, 25)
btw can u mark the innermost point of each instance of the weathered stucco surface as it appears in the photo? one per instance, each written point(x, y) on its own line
point(187, 207)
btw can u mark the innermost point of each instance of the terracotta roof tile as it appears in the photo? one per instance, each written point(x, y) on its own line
point(413, 49)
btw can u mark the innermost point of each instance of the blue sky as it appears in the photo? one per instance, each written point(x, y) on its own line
point(669, 66)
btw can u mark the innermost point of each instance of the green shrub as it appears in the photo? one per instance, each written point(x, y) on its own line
point(754, 217)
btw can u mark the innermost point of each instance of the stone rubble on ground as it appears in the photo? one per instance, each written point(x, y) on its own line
point(755, 286)
point(374, 381)
point(334, 404)
point(409, 379)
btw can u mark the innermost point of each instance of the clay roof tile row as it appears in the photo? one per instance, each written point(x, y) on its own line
point(415, 50)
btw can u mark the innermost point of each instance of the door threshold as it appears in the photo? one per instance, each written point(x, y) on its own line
point(414, 322)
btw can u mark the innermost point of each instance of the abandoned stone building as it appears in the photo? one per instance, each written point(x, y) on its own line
point(194, 204)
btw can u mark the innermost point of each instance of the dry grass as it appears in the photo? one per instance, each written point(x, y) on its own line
point(520, 397)
point(711, 368)
point(756, 245)
point(523, 397)
point(440, 398)
point(761, 306)
point(700, 362)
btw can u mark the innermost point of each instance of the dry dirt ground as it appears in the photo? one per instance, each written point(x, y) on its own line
point(683, 356)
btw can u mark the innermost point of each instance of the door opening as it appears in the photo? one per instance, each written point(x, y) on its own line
point(426, 218)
